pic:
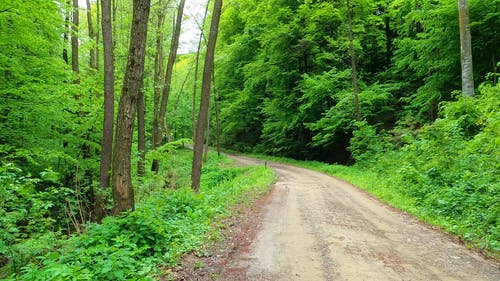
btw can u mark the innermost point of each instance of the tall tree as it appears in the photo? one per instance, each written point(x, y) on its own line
point(141, 133)
point(205, 96)
point(123, 193)
point(74, 42)
point(465, 48)
point(158, 81)
point(197, 60)
point(207, 137)
point(67, 18)
point(168, 78)
point(98, 33)
point(92, 51)
point(216, 108)
point(109, 82)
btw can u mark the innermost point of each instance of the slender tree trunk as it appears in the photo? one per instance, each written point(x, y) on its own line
point(216, 107)
point(157, 83)
point(181, 89)
point(98, 34)
point(114, 7)
point(109, 82)
point(197, 63)
point(74, 43)
point(205, 96)
point(207, 137)
point(123, 193)
point(92, 52)
point(67, 18)
point(354, 73)
point(178, 97)
point(465, 48)
point(170, 68)
point(141, 133)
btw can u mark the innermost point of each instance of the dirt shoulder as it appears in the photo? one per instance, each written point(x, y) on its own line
point(315, 227)
point(237, 234)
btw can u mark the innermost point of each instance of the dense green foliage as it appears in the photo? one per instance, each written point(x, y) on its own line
point(285, 73)
point(445, 174)
point(50, 128)
point(169, 221)
point(37, 98)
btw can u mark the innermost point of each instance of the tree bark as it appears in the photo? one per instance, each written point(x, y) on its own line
point(216, 107)
point(207, 137)
point(205, 97)
point(168, 76)
point(67, 18)
point(123, 193)
point(193, 115)
point(354, 73)
point(98, 34)
point(74, 43)
point(114, 7)
point(141, 133)
point(157, 83)
point(92, 51)
point(465, 48)
point(109, 82)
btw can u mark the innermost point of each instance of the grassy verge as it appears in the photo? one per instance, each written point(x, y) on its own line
point(169, 220)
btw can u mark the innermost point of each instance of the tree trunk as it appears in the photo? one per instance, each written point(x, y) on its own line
point(92, 61)
point(205, 97)
point(170, 68)
point(157, 83)
point(97, 35)
point(216, 107)
point(74, 43)
point(109, 82)
point(123, 193)
point(114, 7)
point(354, 74)
point(207, 137)
point(67, 18)
point(141, 133)
point(193, 115)
point(181, 89)
point(465, 48)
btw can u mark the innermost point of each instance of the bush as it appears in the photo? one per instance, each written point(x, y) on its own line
point(450, 170)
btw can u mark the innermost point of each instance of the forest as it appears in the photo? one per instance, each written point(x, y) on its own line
point(99, 99)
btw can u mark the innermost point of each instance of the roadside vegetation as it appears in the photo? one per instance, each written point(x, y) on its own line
point(169, 220)
point(446, 173)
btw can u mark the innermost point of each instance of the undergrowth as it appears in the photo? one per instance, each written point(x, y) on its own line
point(169, 220)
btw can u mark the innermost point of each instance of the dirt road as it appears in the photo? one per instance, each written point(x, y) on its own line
point(319, 228)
